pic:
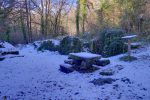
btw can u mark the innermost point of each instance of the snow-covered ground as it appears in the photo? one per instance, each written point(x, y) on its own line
point(36, 76)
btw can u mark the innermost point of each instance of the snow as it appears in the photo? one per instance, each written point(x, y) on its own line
point(56, 42)
point(7, 47)
point(36, 76)
point(66, 65)
point(129, 37)
point(103, 59)
point(86, 55)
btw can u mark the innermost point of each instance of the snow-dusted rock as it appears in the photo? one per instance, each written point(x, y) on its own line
point(2, 58)
point(103, 62)
point(69, 61)
point(37, 44)
point(107, 72)
point(103, 81)
point(7, 48)
point(66, 68)
point(85, 55)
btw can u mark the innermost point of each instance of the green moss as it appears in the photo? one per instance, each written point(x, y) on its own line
point(107, 73)
point(128, 58)
point(69, 45)
point(48, 45)
point(103, 81)
point(109, 43)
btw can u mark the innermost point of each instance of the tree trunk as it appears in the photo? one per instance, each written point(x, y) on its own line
point(27, 14)
point(78, 17)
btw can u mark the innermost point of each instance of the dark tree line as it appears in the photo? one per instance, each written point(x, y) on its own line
point(40, 19)
point(32, 16)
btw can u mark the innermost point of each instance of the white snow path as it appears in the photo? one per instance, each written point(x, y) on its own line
point(36, 76)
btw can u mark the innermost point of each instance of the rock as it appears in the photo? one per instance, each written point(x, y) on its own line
point(69, 61)
point(103, 81)
point(116, 86)
point(48, 45)
point(76, 93)
point(7, 48)
point(144, 89)
point(69, 57)
point(103, 62)
point(2, 58)
point(109, 43)
point(126, 80)
point(119, 96)
point(85, 69)
point(78, 62)
point(70, 44)
point(107, 72)
point(1, 45)
point(61, 88)
point(83, 66)
point(119, 67)
point(96, 66)
point(66, 68)
point(128, 58)
point(10, 52)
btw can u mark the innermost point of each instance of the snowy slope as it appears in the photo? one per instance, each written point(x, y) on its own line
point(36, 76)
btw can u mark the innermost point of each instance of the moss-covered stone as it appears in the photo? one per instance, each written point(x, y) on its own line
point(107, 72)
point(102, 62)
point(66, 68)
point(109, 43)
point(69, 45)
point(48, 45)
point(103, 81)
point(128, 58)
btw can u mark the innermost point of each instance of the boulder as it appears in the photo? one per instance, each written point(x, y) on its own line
point(66, 68)
point(2, 58)
point(48, 45)
point(70, 44)
point(7, 48)
point(102, 62)
point(119, 67)
point(103, 81)
point(109, 43)
point(107, 72)
point(1, 45)
point(128, 58)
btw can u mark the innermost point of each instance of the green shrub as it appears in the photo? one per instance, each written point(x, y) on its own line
point(109, 43)
point(70, 44)
point(48, 45)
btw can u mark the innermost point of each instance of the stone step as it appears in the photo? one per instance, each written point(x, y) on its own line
point(66, 68)
point(102, 62)
point(69, 61)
